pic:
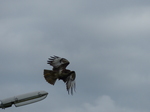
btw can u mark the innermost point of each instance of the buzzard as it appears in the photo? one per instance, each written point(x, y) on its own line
point(60, 72)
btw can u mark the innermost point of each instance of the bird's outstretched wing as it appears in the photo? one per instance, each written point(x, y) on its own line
point(58, 62)
point(70, 82)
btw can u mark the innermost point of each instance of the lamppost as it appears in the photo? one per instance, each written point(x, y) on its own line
point(23, 99)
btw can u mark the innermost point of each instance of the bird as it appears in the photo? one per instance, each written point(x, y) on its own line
point(60, 72)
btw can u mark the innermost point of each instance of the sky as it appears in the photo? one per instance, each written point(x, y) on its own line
point(106, 42)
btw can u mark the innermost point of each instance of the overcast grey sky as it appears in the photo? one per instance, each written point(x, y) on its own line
point(106, 41)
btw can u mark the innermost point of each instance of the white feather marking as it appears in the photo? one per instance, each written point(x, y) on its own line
point(70, 84)
point(56, 62)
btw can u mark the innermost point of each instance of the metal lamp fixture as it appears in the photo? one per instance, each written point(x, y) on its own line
point(23, 99)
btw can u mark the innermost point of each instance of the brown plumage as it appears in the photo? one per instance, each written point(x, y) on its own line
point(60, 72)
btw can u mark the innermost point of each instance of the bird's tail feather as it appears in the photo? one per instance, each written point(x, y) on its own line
point(50, 76)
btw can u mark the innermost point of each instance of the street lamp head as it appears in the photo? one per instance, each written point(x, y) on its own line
point(23, 99)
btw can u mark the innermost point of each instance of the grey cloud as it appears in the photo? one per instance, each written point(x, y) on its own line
point(103, 103)
point(107, 43)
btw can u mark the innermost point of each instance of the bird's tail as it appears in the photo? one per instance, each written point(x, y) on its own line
point(50, 76)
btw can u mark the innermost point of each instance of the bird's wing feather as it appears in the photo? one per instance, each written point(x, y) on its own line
point(54, 61)
point(58, 62)
point(70, 82)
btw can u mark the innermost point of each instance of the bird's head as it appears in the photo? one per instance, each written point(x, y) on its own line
point(64, 61)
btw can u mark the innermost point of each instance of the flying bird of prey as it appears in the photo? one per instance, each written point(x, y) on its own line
point(60, 72)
